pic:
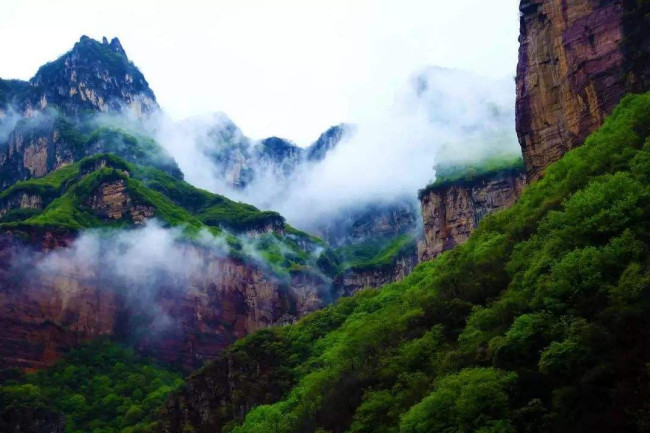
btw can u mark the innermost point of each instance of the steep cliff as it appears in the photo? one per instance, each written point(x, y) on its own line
point(182, 320)
point(577, 59)
point(236, 269)
point(452, 210)
point(356, 278)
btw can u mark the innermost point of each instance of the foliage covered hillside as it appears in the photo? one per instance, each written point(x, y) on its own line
point(539, 322)
point(377, 252)
point(99, 388)
point(67, 195)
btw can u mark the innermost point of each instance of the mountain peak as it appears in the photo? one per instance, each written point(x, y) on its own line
point(328, 140)
point(94, 76)
point(117, 46)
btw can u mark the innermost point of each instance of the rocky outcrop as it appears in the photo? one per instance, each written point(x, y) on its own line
point(47, 141)
point(327, 141)
point(452, 211)
point(179, 320)
point(20, 200)
point(35, 148)
point(112, 201)
point(271, 225)
point(355, 279)
point(577, 58)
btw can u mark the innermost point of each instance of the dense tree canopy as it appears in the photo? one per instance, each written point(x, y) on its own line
point(100, 388)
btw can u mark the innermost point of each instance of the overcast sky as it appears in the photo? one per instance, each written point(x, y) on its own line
point(283, 67)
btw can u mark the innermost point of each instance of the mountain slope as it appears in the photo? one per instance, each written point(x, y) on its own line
point(70, 198)
point(537, 323)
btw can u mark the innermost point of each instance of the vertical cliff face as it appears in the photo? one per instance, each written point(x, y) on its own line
point(112, 201)
point(355, 279)
point(452, 211)
point(183, 321)
point(577, 58)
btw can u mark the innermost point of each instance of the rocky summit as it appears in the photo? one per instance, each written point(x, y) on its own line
point(93, 75)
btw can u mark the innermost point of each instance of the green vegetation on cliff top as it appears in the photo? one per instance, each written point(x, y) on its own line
point(474, 172)
point(67, 195)
point(540, 322)
point(376, 253)
point(66, 191)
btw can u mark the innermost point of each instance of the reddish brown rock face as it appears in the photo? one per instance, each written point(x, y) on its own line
point(451, 213)
point(183, 321)
point(575, 64)
point(569, 75)
point(353, 280)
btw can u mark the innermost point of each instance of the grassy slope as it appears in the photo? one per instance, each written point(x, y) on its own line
point(177, 203)
point(539, 322)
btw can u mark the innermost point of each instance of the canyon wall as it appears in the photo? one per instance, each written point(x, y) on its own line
point(181, 321)
point(352, 280)
point(452, 211)
point(577, 59)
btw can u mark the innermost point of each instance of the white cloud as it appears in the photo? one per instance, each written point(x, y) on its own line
point(438, 115)
point(284, 67)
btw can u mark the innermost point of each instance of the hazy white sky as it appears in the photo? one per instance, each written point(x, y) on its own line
point(282, 67)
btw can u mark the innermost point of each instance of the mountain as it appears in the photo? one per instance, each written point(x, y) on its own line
point(328, 141)
point(532, 314)
point(72, 108)
point(240, 161)
point(238, 269)
point(82, 178)
point(374, 241)
point(96, 76)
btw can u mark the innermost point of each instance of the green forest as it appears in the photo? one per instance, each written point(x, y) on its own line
point(101, 388)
